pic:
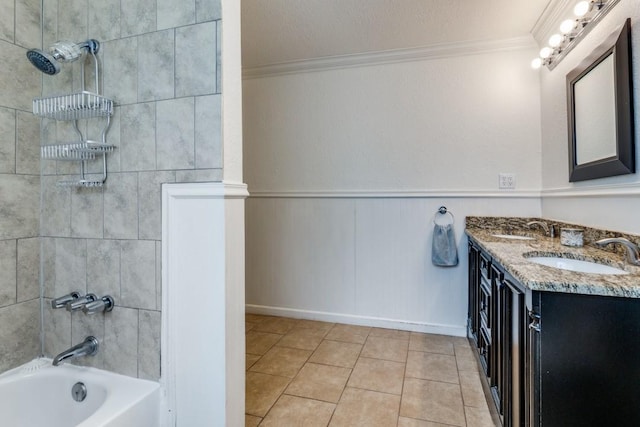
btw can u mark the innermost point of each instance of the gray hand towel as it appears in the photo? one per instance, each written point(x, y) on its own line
point(444, 252)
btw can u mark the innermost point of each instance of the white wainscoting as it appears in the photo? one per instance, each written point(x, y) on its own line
point(363, 260)
point(203, 304)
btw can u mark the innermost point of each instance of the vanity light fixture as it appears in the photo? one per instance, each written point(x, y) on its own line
point(587, 14)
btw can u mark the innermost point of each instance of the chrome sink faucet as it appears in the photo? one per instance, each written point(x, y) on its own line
point(542, 225)
point(89, 347)
point(633, 254)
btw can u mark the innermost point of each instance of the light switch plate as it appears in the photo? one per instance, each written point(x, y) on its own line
point(506, 181)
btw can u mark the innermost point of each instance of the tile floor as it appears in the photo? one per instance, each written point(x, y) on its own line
point(309, 373)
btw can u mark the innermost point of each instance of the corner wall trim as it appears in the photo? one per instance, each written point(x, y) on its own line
point(390, 194)
point(352, 319)
point(630, 189)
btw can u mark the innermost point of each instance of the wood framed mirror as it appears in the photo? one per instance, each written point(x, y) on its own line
point(600, 107)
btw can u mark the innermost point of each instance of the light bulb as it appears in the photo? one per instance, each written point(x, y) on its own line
point(582, 8)
point(545, 52)
point(536, 63)
point(555, 40)
point(567, 26)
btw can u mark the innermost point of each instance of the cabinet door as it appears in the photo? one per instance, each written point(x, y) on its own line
point(513, 335)
point(473, 313)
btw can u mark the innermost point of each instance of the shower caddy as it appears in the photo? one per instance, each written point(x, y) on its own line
point(71, 108)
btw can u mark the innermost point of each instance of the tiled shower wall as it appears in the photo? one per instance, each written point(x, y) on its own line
point(19, 185)
point(161, 67)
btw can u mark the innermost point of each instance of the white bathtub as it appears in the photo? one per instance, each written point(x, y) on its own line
point(38, 394)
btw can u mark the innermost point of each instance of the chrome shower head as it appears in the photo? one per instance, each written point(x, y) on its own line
point(43, 61)
point(60, 51)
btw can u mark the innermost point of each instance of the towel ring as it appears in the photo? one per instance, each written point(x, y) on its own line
point(442, 210)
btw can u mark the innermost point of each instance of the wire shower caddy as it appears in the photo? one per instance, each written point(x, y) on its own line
point(71, 108)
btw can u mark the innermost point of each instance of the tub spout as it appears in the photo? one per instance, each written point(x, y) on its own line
point(88, 347)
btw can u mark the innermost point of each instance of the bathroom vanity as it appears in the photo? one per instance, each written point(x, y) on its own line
point(557, 347)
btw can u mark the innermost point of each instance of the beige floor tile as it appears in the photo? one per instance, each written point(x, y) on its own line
point(412, 422)
point(390, 333)
point(250, 359)
point(282, 361)
point(431, 343)
point(348, 333)
point(336, 353)
point(249, 326)
point(256, 318)
point(366, 408)
point(260, 342)
point(377, 375)
point(321, 382)
point(432, 366)
point(467, 362)
point(251, 421)
point(463, 348)
point(432, 401)
point(479, 417)
point(276, 325)
point(385, 348)
point(314, 324)
point(292, 411)
point(302, 338)
point(262, 391)
point(472, 392)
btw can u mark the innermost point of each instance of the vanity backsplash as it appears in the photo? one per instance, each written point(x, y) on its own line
point(508, 225)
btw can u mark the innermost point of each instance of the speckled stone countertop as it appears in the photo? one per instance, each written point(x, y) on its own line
point(512, 255)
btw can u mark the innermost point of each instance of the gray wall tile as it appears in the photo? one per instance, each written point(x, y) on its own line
point(138, 270)
point(87, 213)
point(49, 22)
point(7, 22)
point(55, 208)
point(28, 269)
point(28, 16)
point(7, 140)
point(208, 132)
point(104, 19)
point(27, 143)
point(121, 70)
point(8, 284)
point(71, 266)
point(218, 56)
point(48, 259)
point(175, 137)
point(19, 334)
point(72, 20)
point(21, 81)
point(195, 69)
point(57, 329)
point(103, 268)
point(121, 206)
point(150, 202)
point(149, 345)
point(156, 66)
point(176, 13)
point(138, 137)
point(137, 17)
point(208, 10)
point(83, 326)
point(121, 341)
point(199, 175)
point(19, 207)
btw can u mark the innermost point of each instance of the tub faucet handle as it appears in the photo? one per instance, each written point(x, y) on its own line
point(64, 300)
point(101, 305)
point(77, 304)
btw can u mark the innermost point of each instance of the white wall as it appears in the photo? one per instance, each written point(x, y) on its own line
point(608, 202)
point(347, 166)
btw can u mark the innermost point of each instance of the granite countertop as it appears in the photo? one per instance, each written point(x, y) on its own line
point(510, 254)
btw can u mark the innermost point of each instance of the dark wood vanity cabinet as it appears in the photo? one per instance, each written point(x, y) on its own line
point(554, 359)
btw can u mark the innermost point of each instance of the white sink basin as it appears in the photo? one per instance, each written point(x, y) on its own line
point(576, 265)
point(513, 237)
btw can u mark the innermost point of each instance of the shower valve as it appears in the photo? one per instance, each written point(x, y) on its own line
point(104, 304)
point(77, 304)
point(64, 300)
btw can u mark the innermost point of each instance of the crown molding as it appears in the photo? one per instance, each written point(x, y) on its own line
point(438, 51)
point(553, 14)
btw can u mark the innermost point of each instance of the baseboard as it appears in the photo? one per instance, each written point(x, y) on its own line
point(351, 319)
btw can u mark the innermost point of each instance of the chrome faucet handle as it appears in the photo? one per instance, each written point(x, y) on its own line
point(633, 252)
point(541, 224)
point(104, 304)
point(64, 300)
point(77, 304)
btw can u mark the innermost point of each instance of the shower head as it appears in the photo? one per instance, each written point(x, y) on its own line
point(43, 61)
point(61, 51)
